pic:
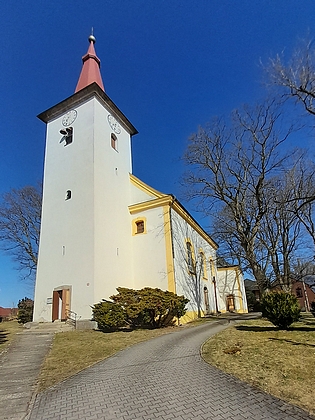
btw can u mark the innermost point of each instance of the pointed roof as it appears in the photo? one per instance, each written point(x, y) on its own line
point(91, 68)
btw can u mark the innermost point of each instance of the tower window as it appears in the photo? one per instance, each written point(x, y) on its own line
point(113, 141)
point(68, 195)
point(67, 135)
point(140, 226)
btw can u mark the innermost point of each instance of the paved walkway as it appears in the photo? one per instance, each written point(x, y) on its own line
point(19, 367)
point(164, 378)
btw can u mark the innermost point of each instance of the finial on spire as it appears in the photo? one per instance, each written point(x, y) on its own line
point(92, 37)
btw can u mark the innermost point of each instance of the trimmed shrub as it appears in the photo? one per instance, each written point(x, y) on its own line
point(109, 316)
point(25, 310)
point(145, 308)
point(280, 308)
point(150, 308)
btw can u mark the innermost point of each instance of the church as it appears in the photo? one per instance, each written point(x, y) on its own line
point(104, 228)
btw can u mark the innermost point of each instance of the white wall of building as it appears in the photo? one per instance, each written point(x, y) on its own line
point(148, 250)
point(113, 256)
point(85, 241)
point(230, 282)
point(64, 258)
point(187, 284)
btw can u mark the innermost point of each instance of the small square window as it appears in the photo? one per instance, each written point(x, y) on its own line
point(113, 140)
point(140, 226)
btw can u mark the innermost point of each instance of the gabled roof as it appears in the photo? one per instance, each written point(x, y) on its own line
point(167, 200)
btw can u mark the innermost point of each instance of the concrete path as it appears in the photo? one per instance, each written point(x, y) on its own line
point(19, 367)
point(164, 378)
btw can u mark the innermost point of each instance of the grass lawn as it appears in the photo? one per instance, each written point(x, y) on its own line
point(74, 351)
point(281, 363)
point(8, 330)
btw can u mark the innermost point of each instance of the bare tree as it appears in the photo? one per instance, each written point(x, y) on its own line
point(20, 215)
point(231, 167)
point(281, 229)
point(302, 200)
point(296, 76)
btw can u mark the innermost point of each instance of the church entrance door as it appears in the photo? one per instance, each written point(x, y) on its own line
point(61, 303)
point(230, 305)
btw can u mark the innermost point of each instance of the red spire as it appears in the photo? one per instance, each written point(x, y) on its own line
point(91, 68)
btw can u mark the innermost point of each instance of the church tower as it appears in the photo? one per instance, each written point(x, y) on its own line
point(84, 250)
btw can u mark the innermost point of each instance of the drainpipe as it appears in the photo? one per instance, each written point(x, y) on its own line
point(215, 294)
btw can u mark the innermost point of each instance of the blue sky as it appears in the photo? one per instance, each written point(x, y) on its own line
point(169, 65)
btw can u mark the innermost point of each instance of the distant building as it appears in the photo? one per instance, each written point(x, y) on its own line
point(304, 290)
point(251, 286)
point(8, 313)
point(104, 228)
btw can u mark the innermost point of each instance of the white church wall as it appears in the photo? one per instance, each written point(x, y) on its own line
point(113, 256)
point(85, 240)
point(191, 282)
point(64, 258)
point(148, 250)
point(230, 282)
point(140, 192)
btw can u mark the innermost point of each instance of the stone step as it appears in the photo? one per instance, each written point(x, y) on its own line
point(54, 327)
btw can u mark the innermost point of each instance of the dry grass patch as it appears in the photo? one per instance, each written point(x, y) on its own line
point(281, 363)
point(74, 351)
point(8, 330)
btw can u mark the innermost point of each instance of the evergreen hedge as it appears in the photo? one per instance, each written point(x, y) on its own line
point(280, 308)
point(25, 310)
point(145, 308)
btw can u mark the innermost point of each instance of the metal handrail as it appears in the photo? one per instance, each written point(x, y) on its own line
point(73, 317)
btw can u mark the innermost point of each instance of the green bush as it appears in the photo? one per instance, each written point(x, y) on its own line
point(145, 308)
point(280, 308)
point(25, 310)
point(109, 316)
point(252, 303)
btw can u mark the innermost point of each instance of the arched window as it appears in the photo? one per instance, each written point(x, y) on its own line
point(202, 264)
point(299, 293)
point(190, 260)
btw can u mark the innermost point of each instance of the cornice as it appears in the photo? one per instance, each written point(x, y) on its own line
point(145, 187)
point(83, 95)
